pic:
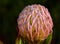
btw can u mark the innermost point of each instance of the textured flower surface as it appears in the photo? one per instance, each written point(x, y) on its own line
point(35, 23)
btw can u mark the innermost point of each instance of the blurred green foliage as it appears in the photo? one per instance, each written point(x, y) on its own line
point(10, 9)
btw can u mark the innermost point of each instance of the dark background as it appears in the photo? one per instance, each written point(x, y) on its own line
point(10, 9)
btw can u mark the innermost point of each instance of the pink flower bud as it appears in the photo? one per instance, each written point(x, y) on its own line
point(35, 23)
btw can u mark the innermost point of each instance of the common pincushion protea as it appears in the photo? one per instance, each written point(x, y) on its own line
point(35, 23)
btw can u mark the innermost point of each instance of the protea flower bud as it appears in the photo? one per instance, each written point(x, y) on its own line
point(35, 23)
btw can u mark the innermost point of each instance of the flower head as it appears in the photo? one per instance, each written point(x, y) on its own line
point(35, 23)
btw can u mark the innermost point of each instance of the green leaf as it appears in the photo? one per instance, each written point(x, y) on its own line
point(48, 40)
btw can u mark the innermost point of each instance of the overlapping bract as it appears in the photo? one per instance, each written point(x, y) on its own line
point(35, 23)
